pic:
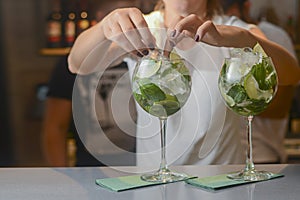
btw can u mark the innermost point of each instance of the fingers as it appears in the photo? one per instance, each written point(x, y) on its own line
point(188, 26)
point(207, 32)
point(114, 33)
point(184, 29)
point(168, 47)
point(132, 36)
point(141, 25)
point(194, 27)
point(128, 29)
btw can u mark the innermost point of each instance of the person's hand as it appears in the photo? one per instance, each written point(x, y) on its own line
point(206, 31)
point(128, 29)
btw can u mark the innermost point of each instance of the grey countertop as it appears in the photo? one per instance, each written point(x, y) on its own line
point(79, 183)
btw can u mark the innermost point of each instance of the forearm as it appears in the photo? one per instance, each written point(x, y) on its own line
point(88, 43)
point(92, 51)
point(55, 148)
point(55, 128)
point(122, 31)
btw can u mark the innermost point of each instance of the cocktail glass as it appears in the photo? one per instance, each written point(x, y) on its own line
point(248, 83)
point(161, 86)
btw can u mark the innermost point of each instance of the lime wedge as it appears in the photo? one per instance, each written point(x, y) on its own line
point(171, 97)
point(174, 56)
point(179, 65)
point(158, 111)
point(229, 100)
point(251, 87)
point(258, 49)
point(148, 67)
point(254, 92)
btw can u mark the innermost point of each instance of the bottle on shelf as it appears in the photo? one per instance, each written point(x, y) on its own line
point(70, 23)
point(54, 26)
point(83, 22)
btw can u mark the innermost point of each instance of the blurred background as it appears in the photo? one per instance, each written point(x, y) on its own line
point(29, 51)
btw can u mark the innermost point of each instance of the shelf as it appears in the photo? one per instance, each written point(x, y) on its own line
point(293, 152)
point(292, 147)
point(55, 51)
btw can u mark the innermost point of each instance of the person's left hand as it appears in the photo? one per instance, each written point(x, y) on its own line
point(206, 31)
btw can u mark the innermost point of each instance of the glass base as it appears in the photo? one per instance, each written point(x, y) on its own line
point(164, 176)
point(251, 175)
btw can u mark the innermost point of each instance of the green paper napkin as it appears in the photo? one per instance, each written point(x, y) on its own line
point(220, 181)
point(127, 182)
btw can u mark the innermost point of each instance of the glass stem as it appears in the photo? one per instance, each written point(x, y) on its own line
point(107, 114)
point(249, 161)
point(163, 163)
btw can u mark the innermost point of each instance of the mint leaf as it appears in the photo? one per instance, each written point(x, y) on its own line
point(257, 106)
point(142, 101)
point(259, 73)
point(152, 92)
point(237, 93)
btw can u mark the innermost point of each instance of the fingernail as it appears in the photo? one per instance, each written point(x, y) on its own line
point(172, 43)
point(173, 33)
point(197, 38)
point(139, 54)
point(145, 52)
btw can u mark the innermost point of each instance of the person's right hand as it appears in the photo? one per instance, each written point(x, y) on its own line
point(128, 29)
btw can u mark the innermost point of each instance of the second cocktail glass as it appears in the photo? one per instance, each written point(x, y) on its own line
point(248, 83)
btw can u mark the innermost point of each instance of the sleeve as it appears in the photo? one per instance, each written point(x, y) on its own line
point(61, 81)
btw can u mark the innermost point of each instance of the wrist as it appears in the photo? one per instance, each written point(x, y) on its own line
point(239, 38)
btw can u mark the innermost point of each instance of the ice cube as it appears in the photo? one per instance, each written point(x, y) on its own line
point(243, 53)
point(175, 82)
point(250, 59)
point(236, 53)
point(236, 70)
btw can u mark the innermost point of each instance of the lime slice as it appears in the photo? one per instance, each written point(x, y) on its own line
point(258, 49)
point(158, 111)
point(174, 56)
point(179, 65)
point(251, 87)
point(171, 97)
point(147, 68)
point(229, 100)
point(254, 92)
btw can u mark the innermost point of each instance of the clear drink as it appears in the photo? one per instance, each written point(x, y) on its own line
point(161, 86)
point(252, 90)
point(248, 83)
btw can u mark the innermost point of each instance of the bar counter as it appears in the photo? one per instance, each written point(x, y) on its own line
point(79, 183)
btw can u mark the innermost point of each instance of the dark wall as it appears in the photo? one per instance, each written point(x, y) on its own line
point(6, 154)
